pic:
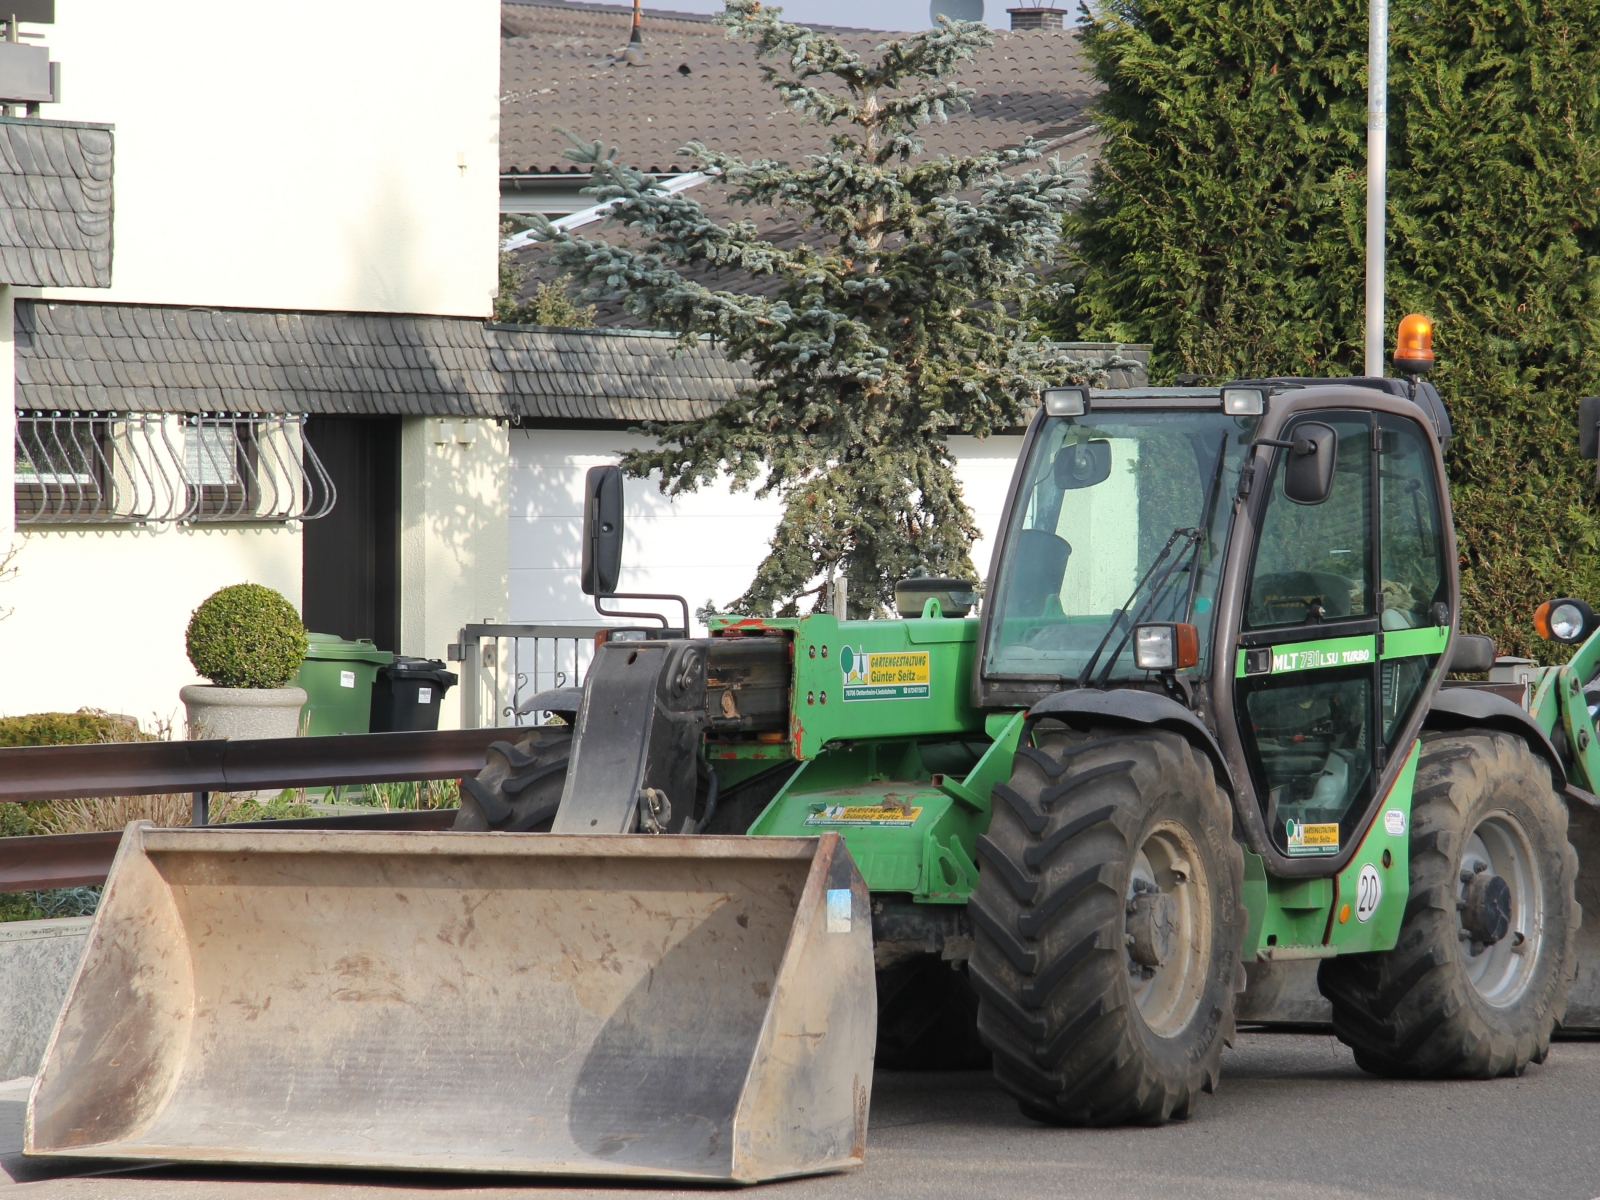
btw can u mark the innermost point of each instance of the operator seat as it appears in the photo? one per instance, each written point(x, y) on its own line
point(1037, 570)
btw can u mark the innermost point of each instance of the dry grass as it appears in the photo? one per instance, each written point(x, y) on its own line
point(104, 813)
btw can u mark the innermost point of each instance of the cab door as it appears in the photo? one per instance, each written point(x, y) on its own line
point(1346, 615)
point(1306, 689)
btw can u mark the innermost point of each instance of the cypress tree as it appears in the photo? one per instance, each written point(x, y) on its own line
point(1227, 227)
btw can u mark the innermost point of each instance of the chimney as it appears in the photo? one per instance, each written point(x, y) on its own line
point(1037, 18)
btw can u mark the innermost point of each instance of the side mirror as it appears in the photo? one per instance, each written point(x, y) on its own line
point(1083, 464)
point(602, 531)
point(1308, 475)
point(1471, 654)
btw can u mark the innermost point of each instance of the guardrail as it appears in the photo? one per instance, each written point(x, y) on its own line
point(35, 773)
point(503, 665)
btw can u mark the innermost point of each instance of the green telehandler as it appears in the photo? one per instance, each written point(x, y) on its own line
point(1202, 725)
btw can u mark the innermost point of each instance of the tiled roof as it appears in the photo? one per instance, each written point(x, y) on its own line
point(55, 203)
point(146, 358)
point(556, 68)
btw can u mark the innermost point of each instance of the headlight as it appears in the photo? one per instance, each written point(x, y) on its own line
point(1564, 620)
point(1166, 647)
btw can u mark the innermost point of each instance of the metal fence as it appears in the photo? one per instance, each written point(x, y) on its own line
point(34, 773)
point(152, 468)
point(503, 666)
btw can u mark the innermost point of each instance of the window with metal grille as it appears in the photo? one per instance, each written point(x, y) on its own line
point(250, 467)
point(151, 468)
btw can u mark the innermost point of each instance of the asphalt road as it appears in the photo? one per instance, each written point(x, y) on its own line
point(1294, 1118)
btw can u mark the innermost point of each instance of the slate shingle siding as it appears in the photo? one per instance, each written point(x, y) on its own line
point(74, 356)
point(86, 357)
point(55, 203)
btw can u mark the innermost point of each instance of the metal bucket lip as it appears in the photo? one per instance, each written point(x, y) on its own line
point(212, 839)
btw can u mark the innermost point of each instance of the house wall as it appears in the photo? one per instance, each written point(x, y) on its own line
point(705, 545)
point(98, 615)
point(454, 505)
point(315, 154)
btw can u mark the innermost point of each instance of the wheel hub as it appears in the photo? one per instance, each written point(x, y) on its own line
point(1500, 909)
point(1152, 925)
point(1485, 905)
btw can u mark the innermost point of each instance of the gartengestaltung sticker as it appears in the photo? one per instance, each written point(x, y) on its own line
point(864, 814)
point(885, 675)
point(1320, 838)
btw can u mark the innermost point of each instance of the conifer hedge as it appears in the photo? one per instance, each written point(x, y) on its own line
point(1226, 227)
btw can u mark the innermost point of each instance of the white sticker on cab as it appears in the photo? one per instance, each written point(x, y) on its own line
point(838, 910)
point(1394, 822)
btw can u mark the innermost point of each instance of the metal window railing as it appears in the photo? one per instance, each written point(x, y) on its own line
point(154, 468)
point(504, 666)
point(250, 467)
point(89, 467)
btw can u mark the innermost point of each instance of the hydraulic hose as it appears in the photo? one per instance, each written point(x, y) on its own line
point(712, 788)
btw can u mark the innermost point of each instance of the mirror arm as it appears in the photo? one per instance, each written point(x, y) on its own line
point(649, 615)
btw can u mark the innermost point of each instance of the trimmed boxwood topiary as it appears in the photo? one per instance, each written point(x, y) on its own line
point(247, 636)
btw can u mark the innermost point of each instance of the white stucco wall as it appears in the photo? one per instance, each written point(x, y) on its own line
point(315, 154)
point(453, 535)
point(95, 617)
point(98, 615)
point(705, 545)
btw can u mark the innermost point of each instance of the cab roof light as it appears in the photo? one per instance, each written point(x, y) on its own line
point(1413, 345)
point(1243, 402)
point(1066, 401)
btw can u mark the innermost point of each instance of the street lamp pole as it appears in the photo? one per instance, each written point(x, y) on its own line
point(1377, 170)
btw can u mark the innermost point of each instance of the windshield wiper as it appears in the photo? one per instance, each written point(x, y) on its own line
point(1195, 537)
point(1207, 512)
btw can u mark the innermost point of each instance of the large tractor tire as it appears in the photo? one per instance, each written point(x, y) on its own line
point(1479, 977)
point(519, 788)
point(1107, 926)
point(928, 1018)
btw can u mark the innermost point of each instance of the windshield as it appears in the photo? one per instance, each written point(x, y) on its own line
point(1104, 496)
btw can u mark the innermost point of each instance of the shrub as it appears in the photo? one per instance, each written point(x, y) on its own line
point(247, 636)
point(81, 728)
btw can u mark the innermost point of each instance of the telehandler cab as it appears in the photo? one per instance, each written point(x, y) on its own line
point(1199, 724)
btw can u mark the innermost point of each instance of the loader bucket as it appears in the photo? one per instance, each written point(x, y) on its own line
point(664, 1007)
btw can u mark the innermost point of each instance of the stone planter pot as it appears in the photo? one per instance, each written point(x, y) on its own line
point(219, 712)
